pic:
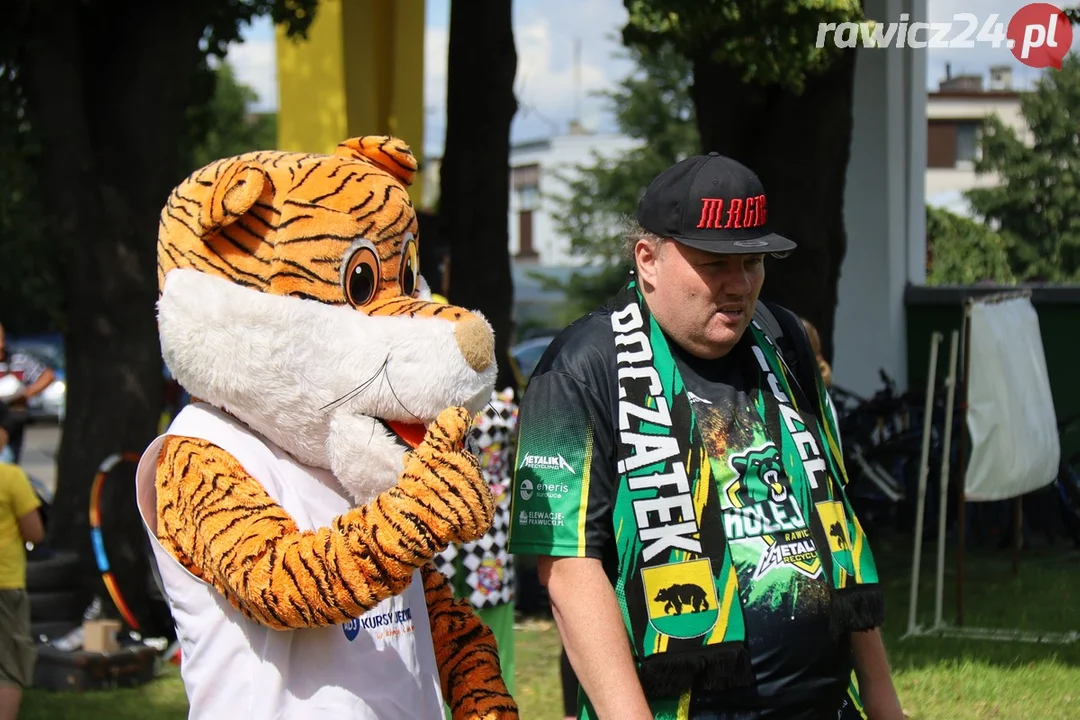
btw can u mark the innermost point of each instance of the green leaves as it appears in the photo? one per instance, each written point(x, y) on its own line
point(226, 18)
point(1035, 206)
point(964, 251)
point(769, 42)
point(227, 128)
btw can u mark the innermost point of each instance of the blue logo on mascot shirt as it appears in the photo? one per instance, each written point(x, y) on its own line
point(351, 628)
point(374, 621)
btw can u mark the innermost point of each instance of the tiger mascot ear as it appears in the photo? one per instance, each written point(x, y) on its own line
point(384, 152)
point(223, 191)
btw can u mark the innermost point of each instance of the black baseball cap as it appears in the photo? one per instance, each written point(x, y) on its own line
point(712, 203)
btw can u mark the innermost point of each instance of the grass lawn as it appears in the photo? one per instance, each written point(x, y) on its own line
point(937, 678)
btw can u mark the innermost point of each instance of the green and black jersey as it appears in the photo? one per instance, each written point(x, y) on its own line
point(565, 487)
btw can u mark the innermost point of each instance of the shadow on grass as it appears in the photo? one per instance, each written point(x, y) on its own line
point(161, 699)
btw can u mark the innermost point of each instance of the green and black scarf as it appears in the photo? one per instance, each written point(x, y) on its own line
point(677, 585)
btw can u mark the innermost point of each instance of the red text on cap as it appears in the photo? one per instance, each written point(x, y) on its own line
point(741, 213)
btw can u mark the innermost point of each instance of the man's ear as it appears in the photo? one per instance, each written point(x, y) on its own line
point(646, 255)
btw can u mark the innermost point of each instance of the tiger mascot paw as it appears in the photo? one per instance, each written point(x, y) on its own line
point(443, 472)
point(295, 506)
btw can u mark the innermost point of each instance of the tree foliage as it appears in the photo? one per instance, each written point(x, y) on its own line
point(963, 251)
point(1034, 208)
point(28, 273)
point(772, 42)
point(106, 88)
point(31, 265)
point(651, 105)
point(226, 125)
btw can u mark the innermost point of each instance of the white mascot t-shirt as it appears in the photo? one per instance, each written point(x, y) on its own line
point(380, 665)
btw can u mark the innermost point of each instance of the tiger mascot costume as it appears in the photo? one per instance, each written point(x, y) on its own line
point(295, 506)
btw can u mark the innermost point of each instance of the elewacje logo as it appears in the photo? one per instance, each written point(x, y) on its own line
point(1038, 34)
point(546, 462)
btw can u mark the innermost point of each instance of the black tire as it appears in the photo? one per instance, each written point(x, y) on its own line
point(63, 606)
point(52, 630)
point(55, 571)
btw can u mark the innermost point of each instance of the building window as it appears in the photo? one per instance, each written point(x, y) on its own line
point(952, 142)
point(528, 197)
point(526, 183)
point(967, 142)
point(525, 236)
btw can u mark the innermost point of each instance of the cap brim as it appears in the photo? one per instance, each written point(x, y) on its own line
point(771, 243)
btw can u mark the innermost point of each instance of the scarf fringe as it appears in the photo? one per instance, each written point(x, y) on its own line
point(856, 609)
point(712, 669)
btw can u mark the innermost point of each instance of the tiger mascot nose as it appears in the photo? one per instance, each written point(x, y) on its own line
point(475, 341)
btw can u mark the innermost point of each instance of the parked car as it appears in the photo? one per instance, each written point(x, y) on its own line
point(50, 404)
point(526, 354)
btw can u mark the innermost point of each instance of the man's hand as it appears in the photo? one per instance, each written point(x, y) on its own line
point(594, 636)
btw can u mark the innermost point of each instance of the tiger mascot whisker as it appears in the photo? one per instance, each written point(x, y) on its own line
point(360, 388)
point(294, 508)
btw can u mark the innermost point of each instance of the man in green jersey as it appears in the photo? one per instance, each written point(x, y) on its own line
point(680, 479)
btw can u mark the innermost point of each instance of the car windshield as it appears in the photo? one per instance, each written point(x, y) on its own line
point(528, 353)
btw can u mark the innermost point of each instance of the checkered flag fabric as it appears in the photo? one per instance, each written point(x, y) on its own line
point(483, 570)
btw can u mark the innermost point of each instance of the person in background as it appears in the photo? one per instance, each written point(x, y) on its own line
point(20, 523)
point(32, 378)
point(815, 345)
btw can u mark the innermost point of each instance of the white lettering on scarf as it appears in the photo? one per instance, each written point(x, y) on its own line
point(664, 521)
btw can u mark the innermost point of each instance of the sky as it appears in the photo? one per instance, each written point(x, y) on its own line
point(545, 33)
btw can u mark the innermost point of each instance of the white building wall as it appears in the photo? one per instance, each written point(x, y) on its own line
point(884, 210)
point(556, 157)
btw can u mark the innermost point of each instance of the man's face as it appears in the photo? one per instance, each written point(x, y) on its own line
point(703, 300)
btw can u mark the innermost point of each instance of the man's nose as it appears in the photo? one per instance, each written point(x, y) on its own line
point(736, 281)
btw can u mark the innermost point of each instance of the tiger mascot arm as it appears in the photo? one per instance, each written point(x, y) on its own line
point(221, 524)
point(468, 656)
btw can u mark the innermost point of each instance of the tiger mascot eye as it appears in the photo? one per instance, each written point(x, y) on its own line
point(295, 506)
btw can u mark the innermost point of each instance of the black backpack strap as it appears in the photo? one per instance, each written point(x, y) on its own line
point(786, 331)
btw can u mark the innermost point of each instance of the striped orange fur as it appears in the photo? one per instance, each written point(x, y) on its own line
point(467, 654)
point(284, 223)
point(224, 528)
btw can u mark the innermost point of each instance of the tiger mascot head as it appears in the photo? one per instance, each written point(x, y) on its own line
point(291, 298)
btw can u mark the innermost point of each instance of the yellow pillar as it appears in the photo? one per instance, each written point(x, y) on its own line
point(360, 72)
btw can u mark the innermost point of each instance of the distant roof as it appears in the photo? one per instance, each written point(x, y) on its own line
point(976, 94)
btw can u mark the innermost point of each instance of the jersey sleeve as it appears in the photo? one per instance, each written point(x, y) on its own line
point(563, 486)
point(23, 499)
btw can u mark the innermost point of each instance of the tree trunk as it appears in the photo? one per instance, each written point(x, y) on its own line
point(799, 146)
point(107, 91)
point(474, 178)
